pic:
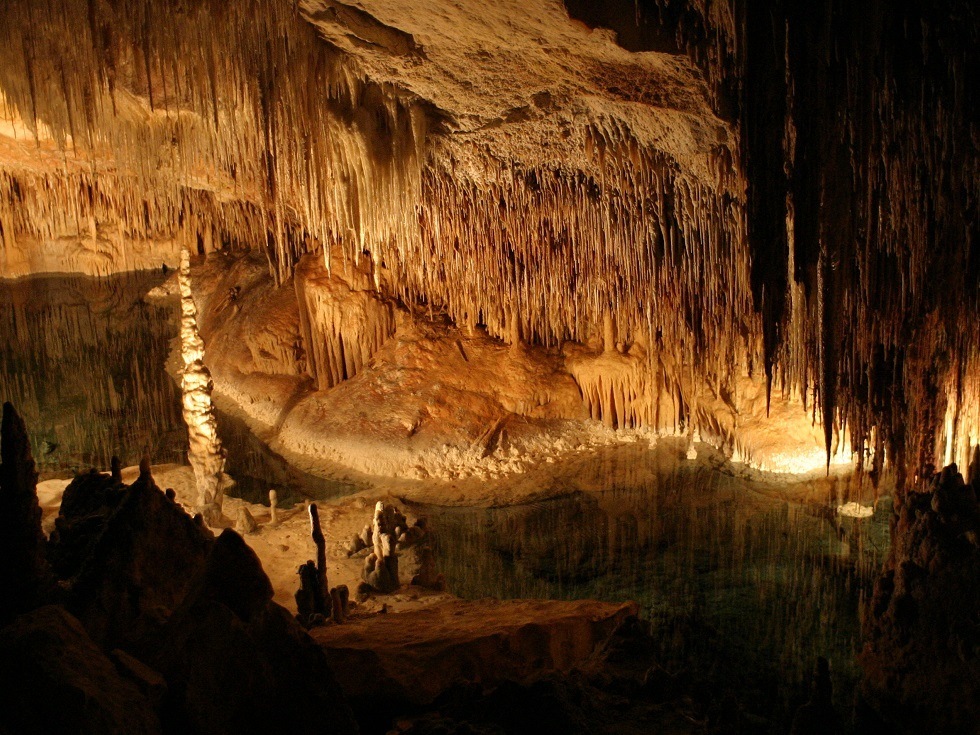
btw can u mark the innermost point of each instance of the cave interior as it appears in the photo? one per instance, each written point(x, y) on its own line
point(547, 366)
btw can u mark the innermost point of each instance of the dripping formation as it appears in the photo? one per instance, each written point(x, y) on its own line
point(729, 191)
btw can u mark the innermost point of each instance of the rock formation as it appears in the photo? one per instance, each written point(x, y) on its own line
point(236, 662)
point(164, 629)
point(427, 575)
point(380, 571)
point(817, 716)
point(25, 578)
point(55, 679)
point(921, 659)
point(526, 169)
point(316, 601)
point(205, 453)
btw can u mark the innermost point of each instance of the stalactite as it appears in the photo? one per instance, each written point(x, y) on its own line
point(343, 321)
point(826, 235)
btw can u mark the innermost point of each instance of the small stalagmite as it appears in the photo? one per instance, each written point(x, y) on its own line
point(316, 602)
point(273, 508)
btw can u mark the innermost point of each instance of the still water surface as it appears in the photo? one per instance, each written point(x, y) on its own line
point(737, 574)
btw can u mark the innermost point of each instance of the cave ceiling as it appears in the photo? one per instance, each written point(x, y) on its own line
point(786, 189)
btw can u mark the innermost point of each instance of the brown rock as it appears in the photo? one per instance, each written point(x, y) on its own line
point(127, 555)
point(236, 662)
point(55, 679)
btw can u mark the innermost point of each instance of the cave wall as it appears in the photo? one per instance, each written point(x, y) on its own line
point(784, 190)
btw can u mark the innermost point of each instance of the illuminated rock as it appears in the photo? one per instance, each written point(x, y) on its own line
point(205, 453)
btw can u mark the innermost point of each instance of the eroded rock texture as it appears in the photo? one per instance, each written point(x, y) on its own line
point(127, 555)
point(922, 658)
point(164, 628)
point(725, 188)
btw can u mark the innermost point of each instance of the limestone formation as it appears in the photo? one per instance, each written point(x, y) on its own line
point(729, 207)
point(921, 658)
point(340, 603)
point(316, 602)
point(381, 565)
point(320, 541)
point(205, 453)
point(273, 508)
point(245, 523)
point(427, 575)
point(312, 605)
point(237, 662)
point(125, 554)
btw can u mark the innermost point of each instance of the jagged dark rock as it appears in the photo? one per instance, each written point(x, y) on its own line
point(236, 662)
point(126, 555)
point(921, 659)
point(55, 679)
point(25, 578)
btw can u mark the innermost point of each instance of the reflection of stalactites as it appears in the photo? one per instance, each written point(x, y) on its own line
point(205, 454)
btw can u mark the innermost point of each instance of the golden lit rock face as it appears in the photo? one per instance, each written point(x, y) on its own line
point(205, 453)
point(509, 167)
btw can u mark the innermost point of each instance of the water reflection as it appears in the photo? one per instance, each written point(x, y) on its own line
point(82, 360)
point(737, 575)
point(746, 581)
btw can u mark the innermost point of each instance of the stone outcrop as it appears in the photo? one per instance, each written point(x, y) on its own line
point(407, 660)
point(236, 662)
point(164, 629)
point(55, 679)
point(24, 573)
point(922, 657)
point(126, 555)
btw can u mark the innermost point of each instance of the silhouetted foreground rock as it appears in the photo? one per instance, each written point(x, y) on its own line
point(54, 679)
point(196, 643)
point(127, 555)
point(922, 656)
point(236, 662)
point(24, 575)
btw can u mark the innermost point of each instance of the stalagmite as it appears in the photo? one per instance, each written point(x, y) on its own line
point(320, 541)
point(205, 453)
point(273, 508)
point(316, 601)
point(381, 565)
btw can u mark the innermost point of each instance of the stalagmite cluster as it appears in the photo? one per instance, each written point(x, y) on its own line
point(786, 190)
point(316, 601)
point(205, 454)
